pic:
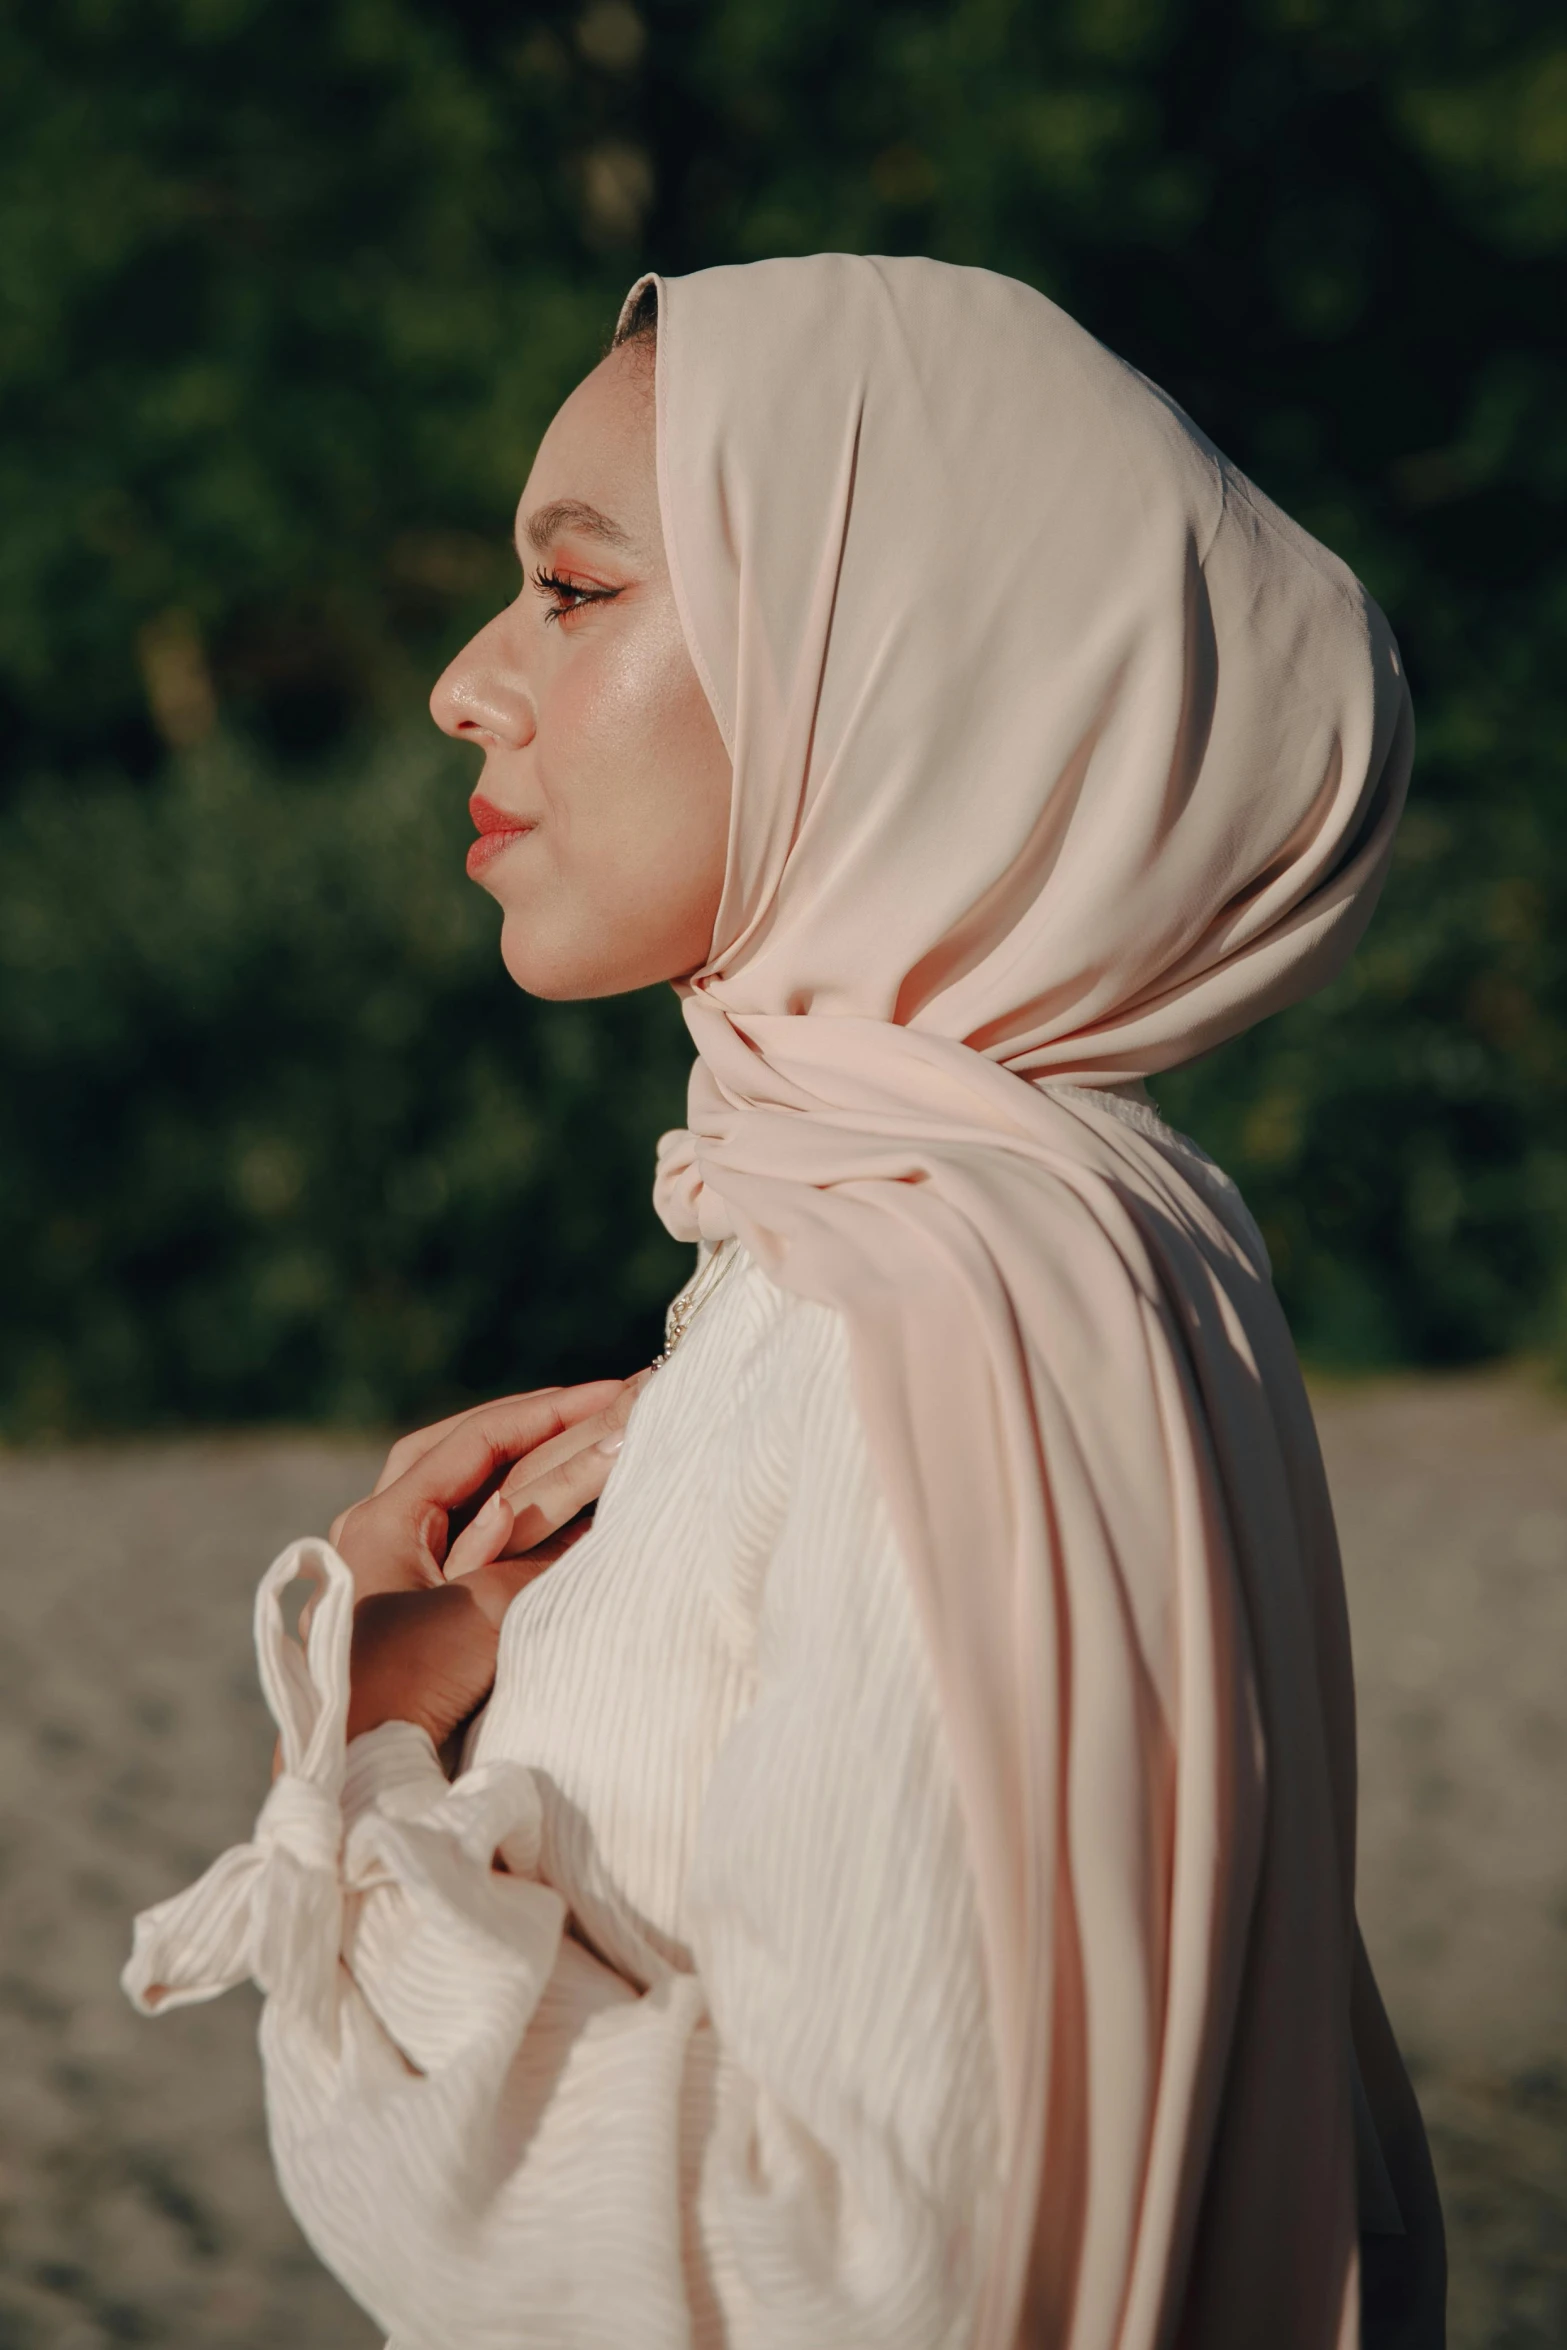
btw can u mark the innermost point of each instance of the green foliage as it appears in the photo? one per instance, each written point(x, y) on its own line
point(289, 1141)
point(282, 318)
point(286, 294)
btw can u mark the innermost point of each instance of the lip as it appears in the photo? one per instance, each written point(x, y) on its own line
point(498, 829)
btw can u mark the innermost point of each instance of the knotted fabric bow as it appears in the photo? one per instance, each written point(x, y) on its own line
point(272, 1908)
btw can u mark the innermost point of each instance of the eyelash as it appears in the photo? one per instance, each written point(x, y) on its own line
point(568, 596)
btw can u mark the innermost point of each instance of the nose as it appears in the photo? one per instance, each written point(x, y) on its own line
point(481, 697)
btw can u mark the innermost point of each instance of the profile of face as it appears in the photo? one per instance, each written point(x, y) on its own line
point(603, 806)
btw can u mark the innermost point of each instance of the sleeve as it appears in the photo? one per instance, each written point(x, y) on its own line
point(494, 2140)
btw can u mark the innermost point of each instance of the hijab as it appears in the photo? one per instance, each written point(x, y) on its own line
point(1060, 755)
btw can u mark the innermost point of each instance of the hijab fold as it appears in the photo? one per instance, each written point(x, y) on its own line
point(1060, 755)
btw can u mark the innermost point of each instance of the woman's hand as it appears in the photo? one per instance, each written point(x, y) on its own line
point(404, 1535)
point(430, 1604)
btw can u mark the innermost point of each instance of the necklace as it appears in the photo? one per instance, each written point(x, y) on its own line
point(708, 1277)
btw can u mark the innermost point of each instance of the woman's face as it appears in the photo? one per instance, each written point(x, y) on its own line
point(603, 807)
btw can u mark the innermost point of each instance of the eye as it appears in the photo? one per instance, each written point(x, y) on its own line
point(565, 596)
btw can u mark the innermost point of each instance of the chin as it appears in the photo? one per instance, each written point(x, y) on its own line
point(556, 975)
point(612, 954)
point(550, 982)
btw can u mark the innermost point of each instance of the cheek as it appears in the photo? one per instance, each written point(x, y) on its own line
point(633, 770)
point(600, 728)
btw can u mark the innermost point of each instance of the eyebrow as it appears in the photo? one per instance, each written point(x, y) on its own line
point(571, 514)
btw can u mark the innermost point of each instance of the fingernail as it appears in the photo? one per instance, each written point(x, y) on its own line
point(612, 1442)
point(489, 1517)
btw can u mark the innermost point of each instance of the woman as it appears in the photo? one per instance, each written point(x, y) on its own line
point(901, 1888)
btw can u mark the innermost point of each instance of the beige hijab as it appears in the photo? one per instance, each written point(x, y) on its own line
point(1060, 755)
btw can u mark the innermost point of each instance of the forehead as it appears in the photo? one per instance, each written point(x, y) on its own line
point(599, 452)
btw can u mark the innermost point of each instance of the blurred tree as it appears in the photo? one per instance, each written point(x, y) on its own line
point(283, 314)
point(287, 294)
point(287, 1145)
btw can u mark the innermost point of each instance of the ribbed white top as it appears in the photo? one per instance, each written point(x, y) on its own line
point(709, 2061)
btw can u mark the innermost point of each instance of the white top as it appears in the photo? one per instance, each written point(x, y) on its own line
point(712, 2063)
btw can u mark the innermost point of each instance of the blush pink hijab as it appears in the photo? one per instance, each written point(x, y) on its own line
point(1059, 756)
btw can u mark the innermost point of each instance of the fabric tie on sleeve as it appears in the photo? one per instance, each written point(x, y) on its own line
point(272, 1908)
point(340, 1824)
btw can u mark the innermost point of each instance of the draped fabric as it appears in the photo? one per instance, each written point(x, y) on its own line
point(1060, 755)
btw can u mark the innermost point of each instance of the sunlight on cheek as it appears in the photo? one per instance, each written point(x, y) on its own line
point(620, 744)
point(620, 887)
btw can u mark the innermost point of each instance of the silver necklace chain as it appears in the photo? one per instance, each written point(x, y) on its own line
point(708, 1277)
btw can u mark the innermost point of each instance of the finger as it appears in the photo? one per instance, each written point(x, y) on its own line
point(603, 1427)
point(418, 1441)
point(550, 1501)
point(484, 1540)
point(490, 1439)
point(413, 1447)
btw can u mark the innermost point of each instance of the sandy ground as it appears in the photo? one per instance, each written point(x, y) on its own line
point(136, 2202)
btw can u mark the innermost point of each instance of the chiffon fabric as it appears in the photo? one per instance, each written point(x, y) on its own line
point(1060, 755)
